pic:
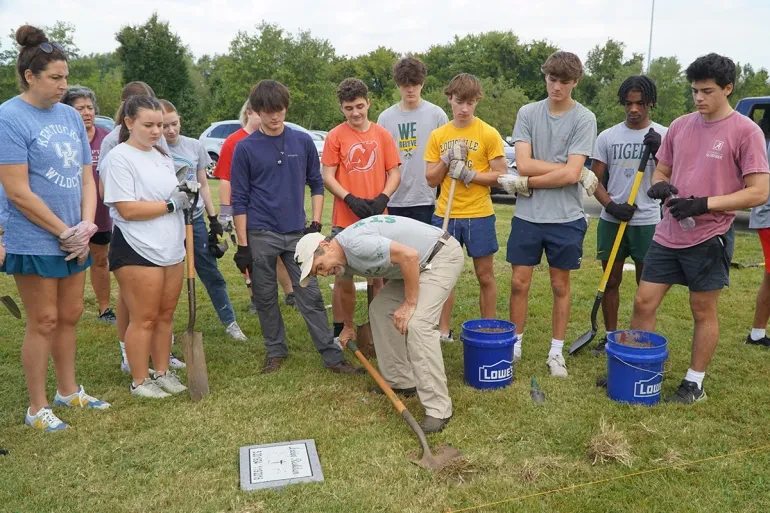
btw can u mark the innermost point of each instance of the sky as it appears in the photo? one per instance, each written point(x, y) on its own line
point(685, 29)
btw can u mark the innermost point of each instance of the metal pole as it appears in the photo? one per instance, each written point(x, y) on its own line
point(649, 47)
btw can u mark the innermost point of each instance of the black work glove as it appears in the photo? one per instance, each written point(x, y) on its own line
point(682, 208)
point(652, 140)
point(215, 227)
point(661, 191)
point(359, 206)
point(243, 258)
point(620, 211)
point(314, 227)
point(379, 204)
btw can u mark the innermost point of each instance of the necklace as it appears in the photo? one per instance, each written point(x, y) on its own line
point(283, 142)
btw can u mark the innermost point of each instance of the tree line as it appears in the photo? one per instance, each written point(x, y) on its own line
point(213, 88)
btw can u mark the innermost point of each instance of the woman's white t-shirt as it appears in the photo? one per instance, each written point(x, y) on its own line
point(131, 174)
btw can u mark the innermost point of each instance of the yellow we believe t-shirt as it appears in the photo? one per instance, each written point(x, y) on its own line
point(484, 144)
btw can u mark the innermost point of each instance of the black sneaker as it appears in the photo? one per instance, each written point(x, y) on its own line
point(764, 341)
point(108, 316)
point(433, 425)
point(403, 392)
point(687, 393)
point(602, 382)
point(599, 349)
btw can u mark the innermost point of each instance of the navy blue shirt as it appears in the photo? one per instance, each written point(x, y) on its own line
point(272, 195)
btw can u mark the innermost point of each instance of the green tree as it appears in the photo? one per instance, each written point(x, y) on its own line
point(749, 83)
point(671, 85)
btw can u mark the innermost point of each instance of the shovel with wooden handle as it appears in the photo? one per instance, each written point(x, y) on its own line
point(364, 331)
point(11, 305)
point(192, 341)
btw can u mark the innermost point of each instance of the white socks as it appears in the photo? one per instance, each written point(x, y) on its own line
point(695, 377)
point(757, 334)
point(517, 346)
point(123, 351)
point(556, 347)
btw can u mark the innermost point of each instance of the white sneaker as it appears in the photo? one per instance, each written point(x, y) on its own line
point(148, 389)
point(235, 332)
point(446, 339)
point(127, 369)
point(175, 363)
point(45, 420)
point(170, 383)
point(338, 343)
point(557, 365)
point(516, 357)
point(80, 399)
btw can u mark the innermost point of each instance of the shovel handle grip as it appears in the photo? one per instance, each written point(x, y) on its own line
point(377, 377)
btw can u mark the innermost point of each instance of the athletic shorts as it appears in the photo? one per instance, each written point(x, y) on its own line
point(764, 238)
point(422, 213)
point(45, 266)
point(702, 268)
point(101, 238)
point(476, 234)
point(635, 242)
point(122, 254)
point(562, 243)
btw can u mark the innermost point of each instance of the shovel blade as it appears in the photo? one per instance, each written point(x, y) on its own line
point(11, 305)
point(582, 341)
point(365, 340)
point(437, 460)
point(195, 359)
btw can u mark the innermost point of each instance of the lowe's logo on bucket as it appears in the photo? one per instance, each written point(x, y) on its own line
point(499, 371)
point(646, 387)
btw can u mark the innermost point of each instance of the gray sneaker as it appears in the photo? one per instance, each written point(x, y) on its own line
point(170, 383)
point(557, 365)
point(148, 389)
point(433, 425)
point(175, 363)
point(235, 332)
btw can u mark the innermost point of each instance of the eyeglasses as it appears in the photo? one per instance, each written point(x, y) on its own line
point(49, 48)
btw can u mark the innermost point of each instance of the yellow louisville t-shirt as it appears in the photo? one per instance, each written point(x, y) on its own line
point(484, 144)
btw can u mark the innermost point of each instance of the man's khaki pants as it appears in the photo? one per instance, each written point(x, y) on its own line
point(417, 361)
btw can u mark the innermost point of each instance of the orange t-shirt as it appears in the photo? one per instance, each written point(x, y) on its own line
point(362, 160)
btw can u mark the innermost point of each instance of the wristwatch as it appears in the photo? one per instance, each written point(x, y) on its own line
point(170, 206)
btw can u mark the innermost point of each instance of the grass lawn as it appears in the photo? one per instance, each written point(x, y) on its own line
point(174, 456)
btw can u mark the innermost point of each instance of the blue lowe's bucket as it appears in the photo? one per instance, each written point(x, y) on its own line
point(635, 366)
point(488, 352)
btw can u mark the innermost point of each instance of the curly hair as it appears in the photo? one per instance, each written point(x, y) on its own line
point(350, 89)
point(641, 84)
point(409, 71)
point(712, 66)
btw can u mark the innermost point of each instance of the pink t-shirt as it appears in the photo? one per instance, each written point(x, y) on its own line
point(708, 159)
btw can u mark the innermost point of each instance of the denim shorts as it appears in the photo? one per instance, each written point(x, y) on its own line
point(476, 234)
point(562, 243)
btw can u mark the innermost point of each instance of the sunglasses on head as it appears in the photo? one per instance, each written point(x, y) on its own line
point(49, 48)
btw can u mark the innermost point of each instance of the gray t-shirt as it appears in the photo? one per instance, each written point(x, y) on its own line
point(553, 139)
point(191, 153)
point(112, 139)
point(411, 131)
point(760, 216)
point(367, 244)
point(621, 149)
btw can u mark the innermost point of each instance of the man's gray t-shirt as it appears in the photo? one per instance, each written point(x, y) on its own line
point(113, 139)
point(553, 139)
point(191, 153)
point(760, 216)
point(621, 148)
point(411, 131)
point(367, 244)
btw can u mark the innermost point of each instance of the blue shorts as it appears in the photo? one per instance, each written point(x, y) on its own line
point(45, 266)
point(476, 234)
point(562, 242)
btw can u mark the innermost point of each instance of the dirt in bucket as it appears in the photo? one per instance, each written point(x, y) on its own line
point(632, 339)
point(491, 330)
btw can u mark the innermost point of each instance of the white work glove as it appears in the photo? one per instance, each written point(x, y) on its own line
point(589, 181)
point(458, 171)
point(226, 217)
point(514, 184)
point(74, 241)
point(458, 151)
point(181, 200)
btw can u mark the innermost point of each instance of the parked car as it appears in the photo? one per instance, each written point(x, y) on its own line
point(104, 122)
point(214, 137)
point(322, 133)
point(758, 109)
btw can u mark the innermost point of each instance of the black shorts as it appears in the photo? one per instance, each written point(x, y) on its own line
point(122, 254)
point(703, 267)
point(422, 213)
point(101, 238)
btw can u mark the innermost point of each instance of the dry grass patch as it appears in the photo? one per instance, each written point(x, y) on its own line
point(609, 445)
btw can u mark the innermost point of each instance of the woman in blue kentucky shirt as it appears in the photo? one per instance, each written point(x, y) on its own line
point(48, 209)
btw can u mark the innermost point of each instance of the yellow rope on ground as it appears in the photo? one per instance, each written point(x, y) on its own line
point(607, 480)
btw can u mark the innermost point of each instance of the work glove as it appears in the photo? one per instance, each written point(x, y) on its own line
point(378, 204)
point(359, 206)
point(652, 139)
point(215, 227)
point(243, 258)
point(181, 200)
point(661, 191)
point(458, 151)
point(217, 247)
point(314, 227)
point(589, 181)
point(226, 217)
point(514, 184)
point(459, 171)
point(76, 237)
point(682, 208)
point(620, 211)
